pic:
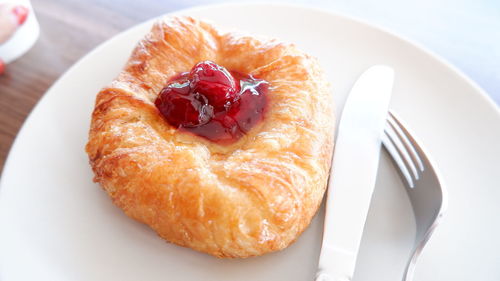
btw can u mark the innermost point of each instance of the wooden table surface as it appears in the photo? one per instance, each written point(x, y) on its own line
point(69, 30)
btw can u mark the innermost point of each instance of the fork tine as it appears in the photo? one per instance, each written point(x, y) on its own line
point(406, 139)
point(391, 130)
point(393, 151)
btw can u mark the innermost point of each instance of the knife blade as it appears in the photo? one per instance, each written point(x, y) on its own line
point(354, 171)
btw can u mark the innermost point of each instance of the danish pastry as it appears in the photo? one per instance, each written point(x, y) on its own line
point(219, 141)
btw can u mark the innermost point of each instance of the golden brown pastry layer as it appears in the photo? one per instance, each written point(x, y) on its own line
point(254, 196)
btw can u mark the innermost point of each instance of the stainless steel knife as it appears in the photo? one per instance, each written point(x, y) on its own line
point(354, 171)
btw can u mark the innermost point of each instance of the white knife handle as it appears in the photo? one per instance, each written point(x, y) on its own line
point(343, 261)
point(325, 277)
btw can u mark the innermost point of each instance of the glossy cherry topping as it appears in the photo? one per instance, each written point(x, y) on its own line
point(213, 102)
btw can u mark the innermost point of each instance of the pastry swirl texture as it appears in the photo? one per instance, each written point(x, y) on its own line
point(243, 199)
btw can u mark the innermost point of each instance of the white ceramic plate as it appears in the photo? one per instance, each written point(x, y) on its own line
point(55, 224)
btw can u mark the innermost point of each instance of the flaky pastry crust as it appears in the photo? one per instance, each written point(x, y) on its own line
point(248, 198)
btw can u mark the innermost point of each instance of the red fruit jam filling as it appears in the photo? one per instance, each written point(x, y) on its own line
point(213, 103)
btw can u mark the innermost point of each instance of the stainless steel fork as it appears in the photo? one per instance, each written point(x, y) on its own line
point(426, 191)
